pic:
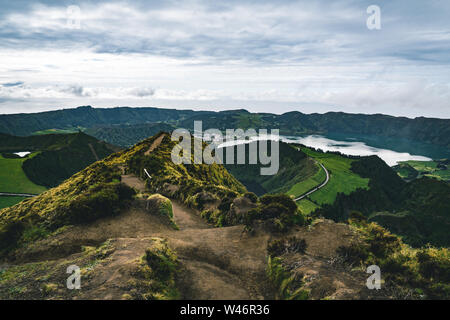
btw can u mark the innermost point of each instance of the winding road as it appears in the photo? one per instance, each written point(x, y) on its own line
point(318, 187)
point(9, 194)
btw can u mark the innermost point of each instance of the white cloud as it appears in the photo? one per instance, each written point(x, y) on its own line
point(237, 54)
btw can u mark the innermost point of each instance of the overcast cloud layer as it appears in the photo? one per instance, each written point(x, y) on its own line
point(266, 56)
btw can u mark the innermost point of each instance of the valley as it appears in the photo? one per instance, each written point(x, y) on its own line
point(214, 229)
point(55, 157)
point(129, 250)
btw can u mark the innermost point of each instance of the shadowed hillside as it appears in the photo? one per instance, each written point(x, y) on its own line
point(58, 155)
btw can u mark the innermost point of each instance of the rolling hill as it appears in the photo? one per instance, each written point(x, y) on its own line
point(294, 167)
point(144, 234)
point(54, 158)
point(429, 130)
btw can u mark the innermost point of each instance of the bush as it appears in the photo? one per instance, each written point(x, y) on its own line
point(156, 274)
point(251, 196)
point(278, 212)
point(163, 206)
point(286, 245)
point(424, 271)
point(286, 286)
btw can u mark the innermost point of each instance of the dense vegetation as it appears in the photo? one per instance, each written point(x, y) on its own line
point(92, 193)
point(155, 279)
point(278, 213)
point(418, 211)
point(294, 167)
point(55, 164)
point(86, 117)
point(410, 273)
point(59, 156)
point(127, 135)
point(435, 131)
point(13, 178)
point(200, 186)
point(410, 170)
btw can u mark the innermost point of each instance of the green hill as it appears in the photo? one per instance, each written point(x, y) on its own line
point(13, 178)
point(294, 168)
point(97, 192)
point(438, 169)
point(86, 117)
point(427, 130)
point(127, 135)
point(419, 211)
point(59, 155)
point(63, 226)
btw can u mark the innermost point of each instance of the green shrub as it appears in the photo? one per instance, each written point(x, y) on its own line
point(250, 195)
point(424, 271)
point(156, 274)
point(286, 245)
point(278, 212)
point(163, 206)
point(286, 286)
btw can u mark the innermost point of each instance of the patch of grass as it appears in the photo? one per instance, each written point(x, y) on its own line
point(47, 279)
point(304, 186)
point(156, 275)
point(57, 131)
point(13, 178)
point(433, 169)
point(163, 206)
point(409, 272)
point(342, 178)
point(287, 287)
point(6, 202)
point(306, 206)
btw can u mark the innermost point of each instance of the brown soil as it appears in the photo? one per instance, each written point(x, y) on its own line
point(155, 144)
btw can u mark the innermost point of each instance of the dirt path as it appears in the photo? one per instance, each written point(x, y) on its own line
point(132, 181)
point(155, 144)
point(186, 218)
point(218, 263)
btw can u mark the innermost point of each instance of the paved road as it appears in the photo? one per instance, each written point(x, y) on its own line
point(316, 188)
point(8, 194)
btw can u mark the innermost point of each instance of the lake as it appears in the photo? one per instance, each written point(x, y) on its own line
point(22, 154)
point(391, 150)
point(354, 148)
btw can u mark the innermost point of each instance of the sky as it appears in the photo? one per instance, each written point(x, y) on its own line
point(263, 56)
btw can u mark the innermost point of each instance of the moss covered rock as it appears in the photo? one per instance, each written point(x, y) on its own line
point(161, 205)
point(156, 275)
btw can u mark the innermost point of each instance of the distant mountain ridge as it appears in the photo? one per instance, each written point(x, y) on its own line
point(429, 130)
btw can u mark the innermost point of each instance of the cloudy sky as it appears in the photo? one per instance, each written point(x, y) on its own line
point(266, 56)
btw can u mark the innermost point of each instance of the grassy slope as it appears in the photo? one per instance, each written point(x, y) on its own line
point(97, 192)
point(6, 202)
point(342, 179)
point(304, 186)
point(13, 178)
point(60, 156)
point(294, 167)
point(306, 206)
point(56, 131)
point(429, 169)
